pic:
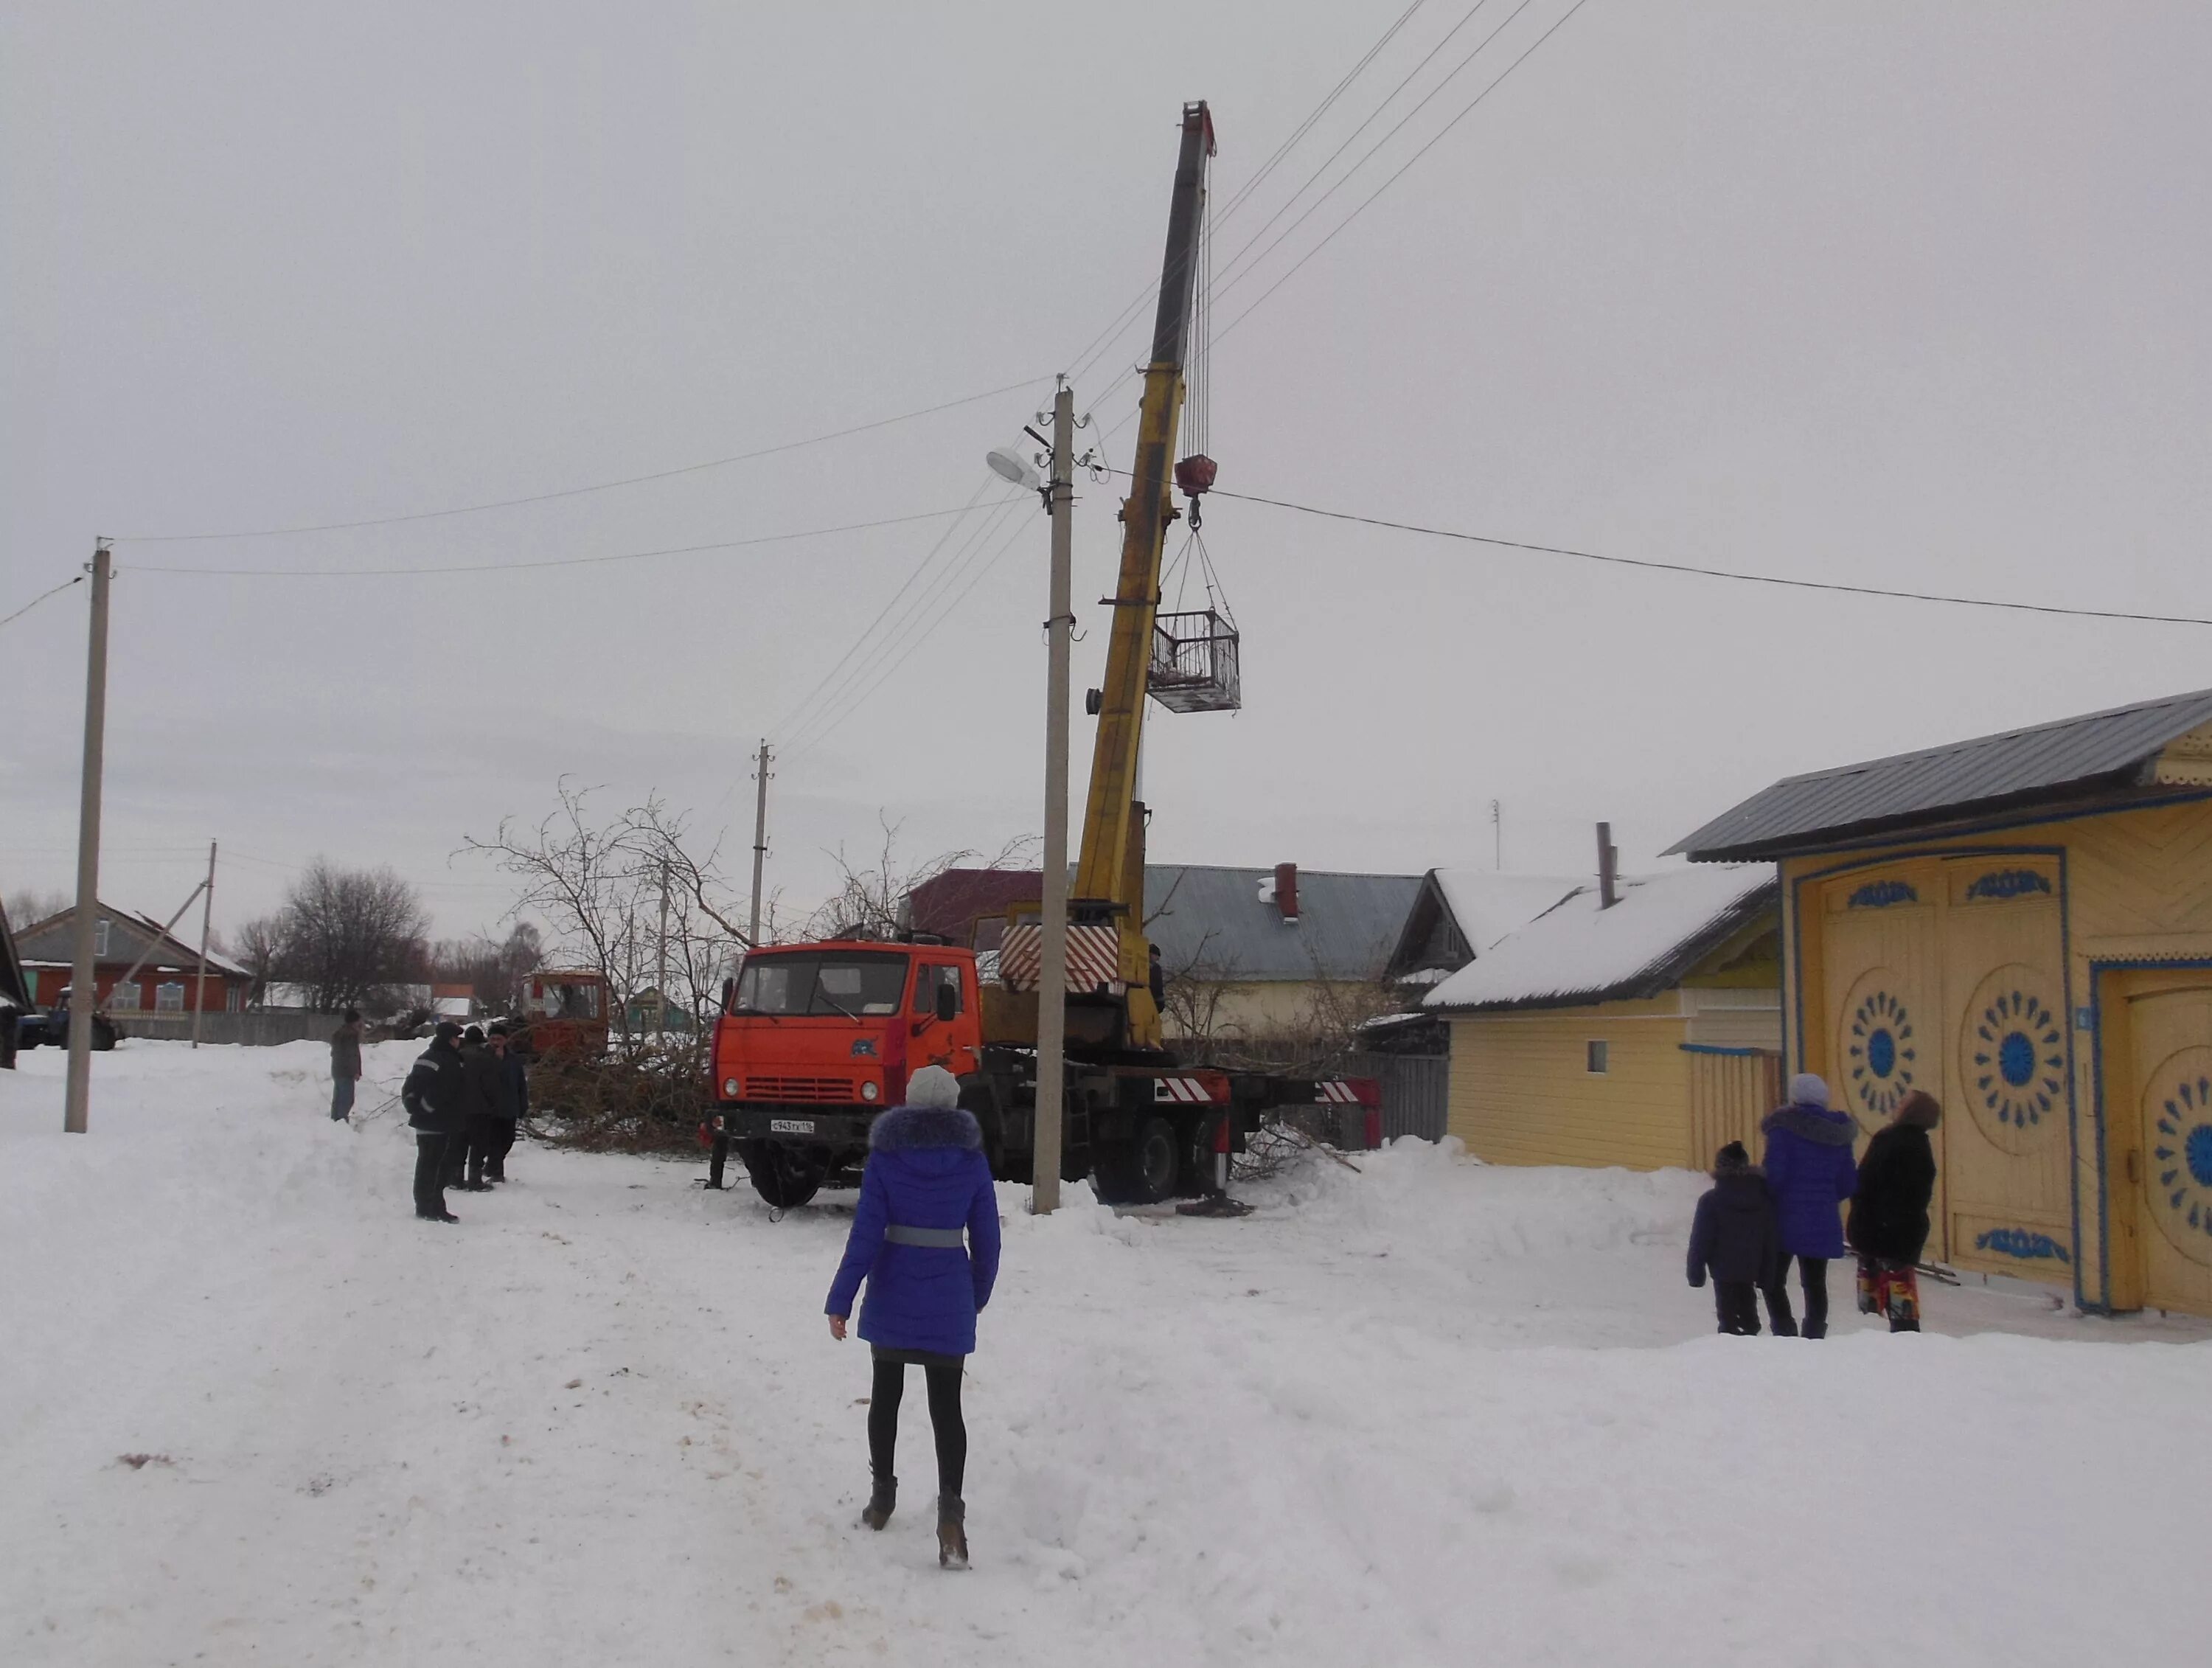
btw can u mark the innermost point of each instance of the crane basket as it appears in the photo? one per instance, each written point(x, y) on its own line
point(1195, 662)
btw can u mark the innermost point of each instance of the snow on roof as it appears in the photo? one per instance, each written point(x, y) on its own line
point(1579, 952)
point(1487, 905)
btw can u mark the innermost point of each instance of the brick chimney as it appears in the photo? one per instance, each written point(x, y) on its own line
point(1286, 891)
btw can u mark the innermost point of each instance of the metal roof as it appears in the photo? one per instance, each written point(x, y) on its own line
point(1214, 922)
point(2072, 758)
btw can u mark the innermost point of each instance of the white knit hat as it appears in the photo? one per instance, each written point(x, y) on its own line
point(1808, 1090)
point(933, 1085)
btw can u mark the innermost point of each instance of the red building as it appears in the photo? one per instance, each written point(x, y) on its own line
point(166, 967)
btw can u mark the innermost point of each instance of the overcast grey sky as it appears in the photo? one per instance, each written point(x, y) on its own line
point(1901, 294)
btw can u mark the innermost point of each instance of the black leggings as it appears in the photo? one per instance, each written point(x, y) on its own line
point(1814, 1272)
point(943, 1383)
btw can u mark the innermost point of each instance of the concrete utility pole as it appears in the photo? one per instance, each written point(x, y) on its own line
point(84, 992)
point(1052, 946)
point(760, 841)
point(207, 914)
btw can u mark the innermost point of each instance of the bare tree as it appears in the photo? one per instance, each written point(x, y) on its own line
point(33, 904)
point(871, 899)
point(260, 942)
point(600, 882)
point(348, 935)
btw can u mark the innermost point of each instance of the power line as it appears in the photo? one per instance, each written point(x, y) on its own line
point(1133, 309)
point(40, 598)
point(1368, 202)
point(821, 731)
point(554, 561)
point(806, 700)
point(1715, 572)
point(1328, 160)
point(578, 491)
point(904, 631)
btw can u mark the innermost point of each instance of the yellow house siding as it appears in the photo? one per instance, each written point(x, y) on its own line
point(1520, 1092)
point(2136, 888)
point(1265, 1009)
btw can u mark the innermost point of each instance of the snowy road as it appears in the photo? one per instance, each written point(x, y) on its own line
point(1429, 1414)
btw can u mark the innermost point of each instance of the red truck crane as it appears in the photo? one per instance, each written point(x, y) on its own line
point(813, 1040)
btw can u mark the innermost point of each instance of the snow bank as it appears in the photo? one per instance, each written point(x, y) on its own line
point(1428, 1413)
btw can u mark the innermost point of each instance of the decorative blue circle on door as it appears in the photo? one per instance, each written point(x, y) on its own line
point(1879, 1055)
point(2180, 1105)
point(2016, 1055)
point(1881, 1052)
point(2197, 1153)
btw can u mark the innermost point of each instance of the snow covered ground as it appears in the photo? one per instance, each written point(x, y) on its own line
point(1429, 1413)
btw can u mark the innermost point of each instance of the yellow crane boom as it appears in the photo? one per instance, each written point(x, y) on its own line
point(1109, 878)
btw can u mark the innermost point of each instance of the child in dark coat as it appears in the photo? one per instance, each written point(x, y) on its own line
point(1735, 1237)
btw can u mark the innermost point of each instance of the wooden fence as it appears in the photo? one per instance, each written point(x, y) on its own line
point(1730, 1090)
point(1415, 1088)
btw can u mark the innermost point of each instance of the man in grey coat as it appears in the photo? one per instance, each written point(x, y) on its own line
point(345, 1065)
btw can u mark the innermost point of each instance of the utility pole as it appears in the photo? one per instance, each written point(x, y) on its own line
point(760, 841)
point(1052, 947)
point(207, 913)
point(84, 991)
point(660, 976)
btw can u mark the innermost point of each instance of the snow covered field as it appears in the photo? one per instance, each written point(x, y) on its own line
point(1429, 1414)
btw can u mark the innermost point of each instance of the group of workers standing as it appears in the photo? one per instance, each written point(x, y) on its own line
point(1758, 1219)
point(463, 1098)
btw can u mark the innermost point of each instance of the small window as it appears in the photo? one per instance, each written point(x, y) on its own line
point(1594, 1058)
point(169, 998)
point(124, 996)
point(231, 1002)
point(99, 942)
point(929, 981)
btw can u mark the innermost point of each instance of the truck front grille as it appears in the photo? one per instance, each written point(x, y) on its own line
point(800, 1088)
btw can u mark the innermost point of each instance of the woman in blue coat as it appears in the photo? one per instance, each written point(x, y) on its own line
point(925, 1240)
point(1810, 1169)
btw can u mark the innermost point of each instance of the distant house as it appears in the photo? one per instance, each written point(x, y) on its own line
point(968, 906)
point(1255, 956)
point(1250, 955)
point(1460, 912)
point(1643, 1034)
point(648, 1010)
point(165, 967)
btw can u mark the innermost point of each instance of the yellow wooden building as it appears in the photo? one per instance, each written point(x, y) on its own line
point(1643, 1034)
point(2022, 925)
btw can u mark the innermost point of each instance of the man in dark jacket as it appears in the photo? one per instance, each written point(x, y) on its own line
point(1808, 1165)
point(432, 1096)
point(465, 1159)
point(510, 1102)
point(1734, 1236)
point(345, 1065)
point(1888, 1222)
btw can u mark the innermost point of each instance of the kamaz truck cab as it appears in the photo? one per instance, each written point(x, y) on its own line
point(814, 1040)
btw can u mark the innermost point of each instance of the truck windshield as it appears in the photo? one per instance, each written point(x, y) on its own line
point(854, 983)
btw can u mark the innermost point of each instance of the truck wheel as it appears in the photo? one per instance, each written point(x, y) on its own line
point(783, 1176)
point(1198, 1162)
point(1142, 1170)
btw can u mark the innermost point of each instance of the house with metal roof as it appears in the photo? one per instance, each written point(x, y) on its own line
point(139, 965)
point(2022, 925)
point(1258, 960)
point(1635, 1024)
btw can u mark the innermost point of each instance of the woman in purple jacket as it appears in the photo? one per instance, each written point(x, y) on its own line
point(1809, 1168)
point(925, 1240)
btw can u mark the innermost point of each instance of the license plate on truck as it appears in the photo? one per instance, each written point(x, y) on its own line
point(791, 1126)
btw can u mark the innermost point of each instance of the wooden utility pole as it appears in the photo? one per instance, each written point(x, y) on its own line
point(760, 841)
point(207, 914)
point(1052, 939)
point(84, 990)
